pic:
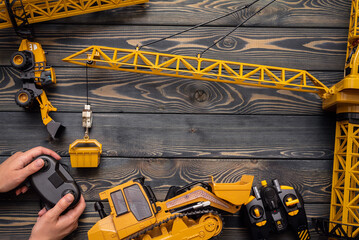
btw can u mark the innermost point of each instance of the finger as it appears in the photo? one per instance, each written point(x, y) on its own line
point(76, 212)
point(18, 191)
point(61, 206)
point(31, 154)
point(42, 212)
point(32, 168)
point(17, 154)
point(13, 159)
point(75, 226)
point(24, 189)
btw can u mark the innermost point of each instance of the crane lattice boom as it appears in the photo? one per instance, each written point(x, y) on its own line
point(44, 10)
point(198, 68)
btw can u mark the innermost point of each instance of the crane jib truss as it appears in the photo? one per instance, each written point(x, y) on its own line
point(198, 68)
point(44, 10)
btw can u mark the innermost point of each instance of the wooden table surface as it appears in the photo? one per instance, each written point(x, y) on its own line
point(175, 131)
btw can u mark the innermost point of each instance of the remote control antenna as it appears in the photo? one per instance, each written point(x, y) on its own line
point(277, 186)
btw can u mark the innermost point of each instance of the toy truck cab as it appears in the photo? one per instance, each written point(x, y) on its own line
point(31, 60)
point(131, 211)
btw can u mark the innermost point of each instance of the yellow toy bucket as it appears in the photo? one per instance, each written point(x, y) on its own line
point(236, 193)
point(85, 153)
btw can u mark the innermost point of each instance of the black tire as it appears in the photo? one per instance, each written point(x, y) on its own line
point(19, 60)
point(24, 98)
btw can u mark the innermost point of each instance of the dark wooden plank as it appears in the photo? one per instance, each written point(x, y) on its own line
point(300, 48)
point(180, 135)
point(160, 174)
point(18, 218)
point(111, 91)
point(282, 13)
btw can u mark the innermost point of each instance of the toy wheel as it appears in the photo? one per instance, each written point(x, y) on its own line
point(212, 223)
point(18, 60)
point(24, 98)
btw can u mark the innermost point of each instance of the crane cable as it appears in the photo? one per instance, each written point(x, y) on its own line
point(87, 86)
point(201, 24)
point(239, 25)
point(198, 25)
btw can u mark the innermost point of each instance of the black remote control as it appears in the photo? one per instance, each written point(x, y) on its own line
point(275, 208)
point(52, 182)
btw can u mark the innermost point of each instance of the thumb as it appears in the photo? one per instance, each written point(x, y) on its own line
point(61, 206)
point(32, 167)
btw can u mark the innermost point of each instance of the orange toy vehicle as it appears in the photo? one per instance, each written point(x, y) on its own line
point(30, 60)
point(188, 212)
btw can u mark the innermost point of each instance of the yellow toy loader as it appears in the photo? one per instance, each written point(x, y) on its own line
point(188, 212)
point(30, 60)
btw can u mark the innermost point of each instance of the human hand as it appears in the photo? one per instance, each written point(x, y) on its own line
point(18, 167)
point(52, 225)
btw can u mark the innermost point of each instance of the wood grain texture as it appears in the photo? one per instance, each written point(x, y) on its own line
point(162, 173)
point(13, 226)
point(282, 13)
point(111, 91)
point(300, 48)
point(175, 131)
point(180, 135)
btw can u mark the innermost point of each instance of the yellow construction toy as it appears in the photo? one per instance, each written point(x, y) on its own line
point(188, 212)
point(343, 98)
point(30, 60)
point(19, 13)
point(85, 152)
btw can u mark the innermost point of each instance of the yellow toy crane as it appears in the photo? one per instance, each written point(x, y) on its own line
point(343, 98)
point(186, 213)
point(18, 13)
point(30, 58)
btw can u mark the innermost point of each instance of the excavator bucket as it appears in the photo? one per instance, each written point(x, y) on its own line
point(85, 153)
point(55, 129)
point(236, 193)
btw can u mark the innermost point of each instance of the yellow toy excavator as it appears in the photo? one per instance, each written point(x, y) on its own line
point(188, 212)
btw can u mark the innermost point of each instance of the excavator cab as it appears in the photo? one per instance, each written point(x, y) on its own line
point(131, 211)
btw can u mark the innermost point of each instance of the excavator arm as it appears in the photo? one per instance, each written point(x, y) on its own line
point(54, 128)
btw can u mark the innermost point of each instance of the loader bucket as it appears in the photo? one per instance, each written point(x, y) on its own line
point(236, 193)
point(85, 153)
point(54, 128)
